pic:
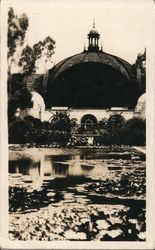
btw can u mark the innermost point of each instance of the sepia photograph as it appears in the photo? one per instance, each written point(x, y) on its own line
point(76, 115)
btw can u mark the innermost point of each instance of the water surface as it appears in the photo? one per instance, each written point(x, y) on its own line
point(107, 183)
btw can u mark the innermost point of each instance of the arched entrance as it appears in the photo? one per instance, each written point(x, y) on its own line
point(88, 122)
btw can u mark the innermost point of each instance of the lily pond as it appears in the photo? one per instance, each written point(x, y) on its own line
point(77, 194)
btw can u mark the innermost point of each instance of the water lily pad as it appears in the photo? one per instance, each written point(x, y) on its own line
point(114, 233)
point(115, 220)
point(51, 194)
point(71, 235)
point(142, 235)
point(84, 220)
point(102, 224)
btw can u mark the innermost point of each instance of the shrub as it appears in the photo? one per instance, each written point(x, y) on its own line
point(59, 137)
point(133, 133)
point(61, 122)
point(78, 141)
point(135, 123)
point(103, 139)
point(132, 137)
point(115, 122)
point(61, 126)
point(35, 121)
point(103, 124)
point(20, 131)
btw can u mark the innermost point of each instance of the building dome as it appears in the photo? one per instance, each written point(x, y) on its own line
point(142, 99)
point(98, 57)
point(141, 106)
point(37, 100)
point(92, 79)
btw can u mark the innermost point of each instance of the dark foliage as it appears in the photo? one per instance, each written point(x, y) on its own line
point(103, 124)
point(103, 138)
point(20, 131)
point(19, 96)
point(135, 123)
point(61, 132)
point(77, 141)
point(17, 27)
point(131, 137)
point(61, 121)
point(36, 122)
point(61, 128)
point(115, 122)
point(133, 133)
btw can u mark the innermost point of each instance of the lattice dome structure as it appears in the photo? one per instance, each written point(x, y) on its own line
point(92, 79)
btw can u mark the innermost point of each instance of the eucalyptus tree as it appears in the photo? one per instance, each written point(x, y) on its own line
point(24, 58)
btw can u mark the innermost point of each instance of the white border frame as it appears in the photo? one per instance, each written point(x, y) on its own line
point(150, 114)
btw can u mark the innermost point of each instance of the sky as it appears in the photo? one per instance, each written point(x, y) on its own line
point(124, 26)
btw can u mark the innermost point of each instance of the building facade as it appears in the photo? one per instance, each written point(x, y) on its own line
point(89, 86)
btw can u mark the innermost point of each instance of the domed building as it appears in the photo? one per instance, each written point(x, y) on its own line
point(89, 86)
point(92, 79)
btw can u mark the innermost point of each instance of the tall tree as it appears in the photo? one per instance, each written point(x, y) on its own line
point(41, 51)
point(19, 96)
point(24, 58)
point(17, 27)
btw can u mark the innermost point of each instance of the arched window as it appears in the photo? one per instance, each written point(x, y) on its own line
point(88, 122)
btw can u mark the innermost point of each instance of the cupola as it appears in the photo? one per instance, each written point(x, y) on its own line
point(93, 39)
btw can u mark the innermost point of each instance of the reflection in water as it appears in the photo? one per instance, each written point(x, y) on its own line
point(55, 165)
point(51, 166)
point(22, 166)
point(87, 167)
point(13, 166)
point(60, 169)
